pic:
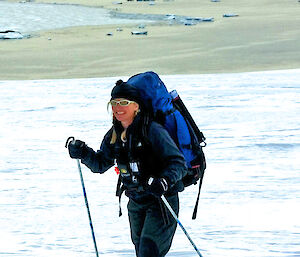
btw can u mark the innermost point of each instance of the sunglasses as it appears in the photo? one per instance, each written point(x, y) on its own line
point(122, 102)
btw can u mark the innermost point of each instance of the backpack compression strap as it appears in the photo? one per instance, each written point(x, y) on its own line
point(197, 201)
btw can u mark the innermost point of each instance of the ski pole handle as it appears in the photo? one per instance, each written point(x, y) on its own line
point(70, 140)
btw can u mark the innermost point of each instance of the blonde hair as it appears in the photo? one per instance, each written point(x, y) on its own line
point(114, 136)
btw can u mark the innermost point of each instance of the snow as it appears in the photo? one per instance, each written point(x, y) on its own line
point(250, 197)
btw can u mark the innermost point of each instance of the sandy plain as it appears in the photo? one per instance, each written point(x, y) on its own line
point(264, 36)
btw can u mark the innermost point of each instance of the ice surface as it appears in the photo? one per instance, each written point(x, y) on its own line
point(29, 17)
point(250, 199)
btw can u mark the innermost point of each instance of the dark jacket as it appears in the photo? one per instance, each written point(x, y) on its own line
point(155, 154)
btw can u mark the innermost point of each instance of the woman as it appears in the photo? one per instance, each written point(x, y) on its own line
point(150, 165)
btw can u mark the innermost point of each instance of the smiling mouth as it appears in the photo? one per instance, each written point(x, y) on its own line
point(120, 113)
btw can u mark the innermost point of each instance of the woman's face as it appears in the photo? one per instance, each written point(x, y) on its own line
point(125, 114)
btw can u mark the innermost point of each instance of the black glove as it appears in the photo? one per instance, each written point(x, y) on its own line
point(157, 186)
point(77, 149)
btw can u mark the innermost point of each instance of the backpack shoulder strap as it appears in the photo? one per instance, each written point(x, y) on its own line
point(146, 121)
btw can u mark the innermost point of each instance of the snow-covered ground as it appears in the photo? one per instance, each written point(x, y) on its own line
point(250, 200)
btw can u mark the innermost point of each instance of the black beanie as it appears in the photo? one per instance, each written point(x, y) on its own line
point(127, 91)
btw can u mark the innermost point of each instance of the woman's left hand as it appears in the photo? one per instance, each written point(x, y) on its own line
point(157, 186)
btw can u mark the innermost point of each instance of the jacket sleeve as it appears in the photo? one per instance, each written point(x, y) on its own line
point(103, 159)
point(173, 162)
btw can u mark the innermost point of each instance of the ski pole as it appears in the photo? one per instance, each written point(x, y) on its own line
point(85, 196)
point(179, 223)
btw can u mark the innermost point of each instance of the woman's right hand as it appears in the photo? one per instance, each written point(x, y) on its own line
point(77, 149)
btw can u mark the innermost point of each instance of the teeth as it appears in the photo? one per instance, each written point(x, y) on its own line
point(120, 112)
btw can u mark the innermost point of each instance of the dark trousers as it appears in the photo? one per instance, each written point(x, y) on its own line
point(152, 231)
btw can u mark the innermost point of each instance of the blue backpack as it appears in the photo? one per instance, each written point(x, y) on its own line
point(170, 111)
